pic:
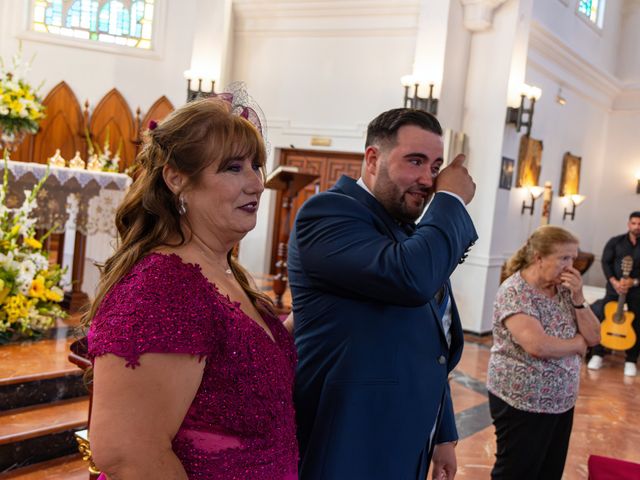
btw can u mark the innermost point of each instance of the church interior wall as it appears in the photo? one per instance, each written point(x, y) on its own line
point(92, 73)
point(591, 124)
point(319, 74)
point(628, 68)
point(597, 46)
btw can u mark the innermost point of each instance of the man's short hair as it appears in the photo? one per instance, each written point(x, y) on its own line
point(384, 128)
point(635, 214)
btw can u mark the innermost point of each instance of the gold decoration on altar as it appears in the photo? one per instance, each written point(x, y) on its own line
point(56, 160)
point(95, 165)
point(77, 162)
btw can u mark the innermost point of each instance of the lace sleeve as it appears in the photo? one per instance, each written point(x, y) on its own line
point(161, 306)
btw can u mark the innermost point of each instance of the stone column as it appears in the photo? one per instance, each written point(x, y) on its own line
point(212, 44)
point(496, 68)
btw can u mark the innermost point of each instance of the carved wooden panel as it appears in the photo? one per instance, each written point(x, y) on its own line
point(113, 115)
point(24, 151)
point(330, 166)
point(158, 111)
point(63, 127)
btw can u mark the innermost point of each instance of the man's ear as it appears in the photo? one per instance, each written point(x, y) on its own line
point(371, 158)
point(174, 179)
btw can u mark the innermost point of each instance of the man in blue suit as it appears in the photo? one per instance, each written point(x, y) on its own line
point(376, 327)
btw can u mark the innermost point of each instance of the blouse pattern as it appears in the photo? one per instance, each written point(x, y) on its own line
point(241, 423)
point(541, 385)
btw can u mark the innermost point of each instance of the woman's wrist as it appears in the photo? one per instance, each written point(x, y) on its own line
point(578, 300)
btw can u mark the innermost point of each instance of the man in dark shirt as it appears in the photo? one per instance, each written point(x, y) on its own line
point(616, 249)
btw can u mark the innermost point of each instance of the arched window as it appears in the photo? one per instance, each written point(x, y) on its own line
point(592, 10)
point(120, 22)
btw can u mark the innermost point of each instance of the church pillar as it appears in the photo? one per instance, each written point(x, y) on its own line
point(496, 68)
point(212, 44)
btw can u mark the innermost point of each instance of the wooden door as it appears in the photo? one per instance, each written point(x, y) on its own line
point(330, 166)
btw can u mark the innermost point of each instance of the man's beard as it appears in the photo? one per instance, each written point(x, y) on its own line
point(393, 199)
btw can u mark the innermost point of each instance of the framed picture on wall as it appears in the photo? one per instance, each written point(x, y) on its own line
point(529, 162)
point(506, 173)
point(570, 177)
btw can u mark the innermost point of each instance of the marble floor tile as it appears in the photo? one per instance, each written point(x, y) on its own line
point(606, 422)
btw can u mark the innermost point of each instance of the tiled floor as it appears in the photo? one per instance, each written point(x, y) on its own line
point(607, 418)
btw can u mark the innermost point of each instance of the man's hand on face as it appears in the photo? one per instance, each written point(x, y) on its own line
point(456, 179)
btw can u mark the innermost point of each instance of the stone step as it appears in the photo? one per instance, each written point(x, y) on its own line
point(38, 372)
point(38, 433)
point(70, 467)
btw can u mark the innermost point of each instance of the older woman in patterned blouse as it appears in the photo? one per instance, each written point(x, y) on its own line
point(541, 329)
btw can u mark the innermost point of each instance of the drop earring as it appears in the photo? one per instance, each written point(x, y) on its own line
point(182, 206)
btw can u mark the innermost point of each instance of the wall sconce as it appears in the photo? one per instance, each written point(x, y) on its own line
point(560, 100)
point(574, 201)
point(516, 115)
point(428, 104)
point(534, 192)
point(199, 93)
point(638, 181)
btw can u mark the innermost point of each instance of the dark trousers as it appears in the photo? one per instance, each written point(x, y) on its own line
point(531, 446)
point(633, 303)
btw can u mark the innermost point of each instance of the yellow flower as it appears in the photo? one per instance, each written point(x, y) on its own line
point(17, 307)
point(38, 289)
point(4, 292)
point(16, 106)
point(33, 243)
point(14, 231)
point(55, 294)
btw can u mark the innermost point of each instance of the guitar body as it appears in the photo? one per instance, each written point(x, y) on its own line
point(617, 334)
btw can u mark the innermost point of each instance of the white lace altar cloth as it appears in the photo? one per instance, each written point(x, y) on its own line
point(64, 189)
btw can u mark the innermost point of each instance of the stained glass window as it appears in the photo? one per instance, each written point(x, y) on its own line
point(592, 9)
point(120, 22)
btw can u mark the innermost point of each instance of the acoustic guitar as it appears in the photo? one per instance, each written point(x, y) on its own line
point(616, 329)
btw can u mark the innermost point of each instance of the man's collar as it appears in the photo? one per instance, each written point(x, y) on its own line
point(361, 183)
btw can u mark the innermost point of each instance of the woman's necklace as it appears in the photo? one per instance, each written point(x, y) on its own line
point(208, 257)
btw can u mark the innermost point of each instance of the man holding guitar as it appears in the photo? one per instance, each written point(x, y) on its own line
point(621, 266)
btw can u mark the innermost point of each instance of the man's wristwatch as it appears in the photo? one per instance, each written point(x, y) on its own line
point(584, 304)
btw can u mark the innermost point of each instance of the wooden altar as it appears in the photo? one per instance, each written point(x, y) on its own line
point(66, 127)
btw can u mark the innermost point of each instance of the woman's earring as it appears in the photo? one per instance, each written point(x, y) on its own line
point(182, 206)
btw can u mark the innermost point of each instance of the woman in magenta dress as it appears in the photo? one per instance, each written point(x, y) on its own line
point(193, 372)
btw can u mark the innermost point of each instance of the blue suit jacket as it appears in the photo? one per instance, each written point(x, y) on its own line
point(373, 358)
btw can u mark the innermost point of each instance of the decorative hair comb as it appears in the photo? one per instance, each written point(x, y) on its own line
point(243, 105)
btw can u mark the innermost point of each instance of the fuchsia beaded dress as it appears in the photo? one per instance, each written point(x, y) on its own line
point(241, 424)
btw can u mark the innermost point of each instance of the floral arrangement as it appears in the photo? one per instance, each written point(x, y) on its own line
point(30, 291)
point(20, 107)
point(102, 159)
